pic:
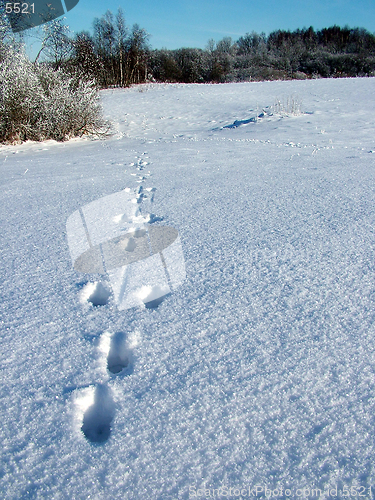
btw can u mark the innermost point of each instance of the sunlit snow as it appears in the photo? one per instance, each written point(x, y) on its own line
point(255, 367)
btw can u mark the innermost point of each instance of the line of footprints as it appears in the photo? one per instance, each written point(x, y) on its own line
point(97, 406)
point(99, 413)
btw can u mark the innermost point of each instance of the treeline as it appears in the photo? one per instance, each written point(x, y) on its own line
point(55, 96)
point(114, 55)
point(117, 56)
point(331, 52)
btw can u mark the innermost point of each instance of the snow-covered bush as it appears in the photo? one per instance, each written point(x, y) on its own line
point(38, 103)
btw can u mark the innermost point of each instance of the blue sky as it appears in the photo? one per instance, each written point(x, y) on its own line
point(191, 23)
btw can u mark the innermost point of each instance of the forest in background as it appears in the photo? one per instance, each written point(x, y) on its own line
point(55, 95)
point(115, 55)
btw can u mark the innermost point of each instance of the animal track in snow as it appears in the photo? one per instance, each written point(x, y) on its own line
point(148, 193)
point(97, 418)
point(141, 163)
point(95, 293)
point(145, 198)
point(101, 241)
point(154, 218)
point(140, 195)
point(138, 233)
point(141, 213)
point(153, 296)
point(118, 351)
point(128, 245)
point(120, 354)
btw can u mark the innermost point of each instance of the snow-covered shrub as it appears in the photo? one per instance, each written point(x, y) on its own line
point(38, 103)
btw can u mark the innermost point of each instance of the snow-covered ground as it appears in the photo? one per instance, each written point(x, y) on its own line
point(259, 370)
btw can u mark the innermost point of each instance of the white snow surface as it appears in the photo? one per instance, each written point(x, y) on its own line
point(259, 369)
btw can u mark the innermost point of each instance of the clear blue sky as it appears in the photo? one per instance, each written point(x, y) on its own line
point(191, 23)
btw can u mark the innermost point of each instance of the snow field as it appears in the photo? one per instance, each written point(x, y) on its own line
point(259, 369)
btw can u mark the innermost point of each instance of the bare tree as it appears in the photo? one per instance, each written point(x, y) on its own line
point(138, 50)
point(105, 43)
point(56, 43)
point(84, 60)
point(121, 34)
